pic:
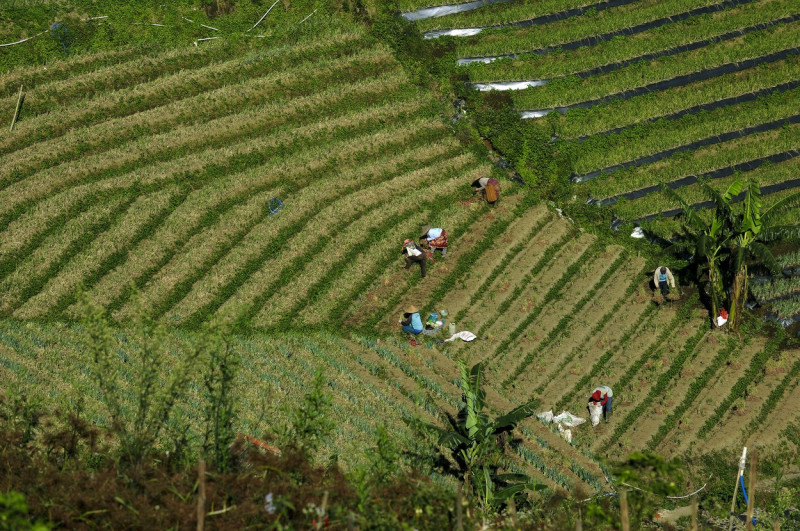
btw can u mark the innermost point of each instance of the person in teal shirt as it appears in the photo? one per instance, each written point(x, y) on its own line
point(411, 321)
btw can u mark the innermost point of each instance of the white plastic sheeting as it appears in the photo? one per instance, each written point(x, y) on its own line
point(509, 85)
point(464, 61)
point(451, 9)
point(535, 114)
point(564, 418)
point(457, 32)
point(464, 335)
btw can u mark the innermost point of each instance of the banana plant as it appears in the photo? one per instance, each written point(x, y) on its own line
point(475, 442)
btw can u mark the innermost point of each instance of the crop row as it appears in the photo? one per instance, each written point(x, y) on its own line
point(675, 37)
point(319, 163)
point(659, 388)
point(548, 255)
point(601, 324)
point(752, 376)
point(205, 206)
point(266, 240)
point(379, 231)
point(261, 95)
point(548, 17)
point(786, 308)
point(563, 325)
point(674, 102)
point(195, 169)
point(774, 398)
point(334, 248)
point(648, 143)
point(769, 172)
point(754, 49)
point(468, 263)
point(636, 182)
point(779, 287)
point(570, 274)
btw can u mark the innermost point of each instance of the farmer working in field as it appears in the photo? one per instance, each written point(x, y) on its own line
point(415, 255)
point(434, 239)
point(662, 277)
point(411, 321)
point(489, 187)
point(600, 402)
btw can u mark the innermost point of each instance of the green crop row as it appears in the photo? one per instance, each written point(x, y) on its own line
point(659, 201)
point(624, 299)
point(683, 314)
point(509, 256)
point(777, 287)
point(211, 167)
point(786, 308)
point(697, 386)
point(774, 397)
point(619, 113)
point(571, 89)
point(629, 47)
point(152, 109)
point(552, 473)
point(696, 162)
point(545, 259)
point(564, 324)
point(592, 22)
point(607, 150)
point(569, 275)
point(659, 389)
point(752, 376)
point(336, 314)
point(211, 119)
point(789, 259)
point(232, 274)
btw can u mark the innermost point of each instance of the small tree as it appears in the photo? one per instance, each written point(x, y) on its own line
point(220, 408)
point(475, 442)
point(311, 423)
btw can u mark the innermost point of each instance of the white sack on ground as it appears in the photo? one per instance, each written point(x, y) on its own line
point(565, 418)
point(464, 335)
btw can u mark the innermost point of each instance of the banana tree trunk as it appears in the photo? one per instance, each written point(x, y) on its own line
point(715, 283)
point(739, 292)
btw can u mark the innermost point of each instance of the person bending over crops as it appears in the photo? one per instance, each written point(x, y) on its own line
point(600, 402)
point(662, 277)
point(415, 255)
point(434, 239)
point(411, 321)
point(489, 187)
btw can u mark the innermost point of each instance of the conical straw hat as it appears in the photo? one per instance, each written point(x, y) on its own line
point(411, 309)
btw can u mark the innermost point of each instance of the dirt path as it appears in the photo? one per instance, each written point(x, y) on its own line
point(684, 435)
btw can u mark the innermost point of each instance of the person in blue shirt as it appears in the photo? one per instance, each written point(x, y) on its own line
point(411, 321)
point(662, 278)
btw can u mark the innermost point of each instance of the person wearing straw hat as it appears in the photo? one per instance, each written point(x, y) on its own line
point(415, 255)
point(411, 321)
point(434, 238)
point(490, 188)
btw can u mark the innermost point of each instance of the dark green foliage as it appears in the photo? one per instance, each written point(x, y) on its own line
point(311, 423)
point(14, 514)
point(221, 404)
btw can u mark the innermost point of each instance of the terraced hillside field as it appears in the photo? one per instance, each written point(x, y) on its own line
point(643, 94)
point(165, 175)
